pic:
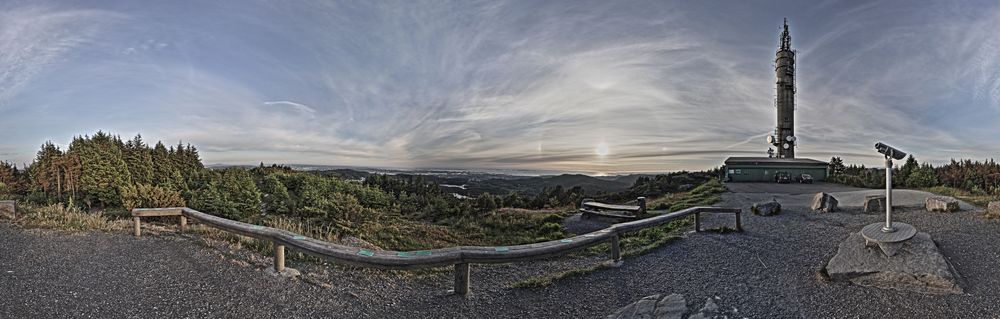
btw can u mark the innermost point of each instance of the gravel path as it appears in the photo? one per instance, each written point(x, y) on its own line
point(769, 271)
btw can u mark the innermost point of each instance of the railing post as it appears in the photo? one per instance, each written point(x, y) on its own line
point(739, 227)
point(697, 221)
point(462, 272)
point(136, 222)
point(616, 249)
point(279, 258)
point(642, 205)
point(184, 223)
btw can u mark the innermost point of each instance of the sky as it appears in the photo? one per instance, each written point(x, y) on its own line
point(596, 87)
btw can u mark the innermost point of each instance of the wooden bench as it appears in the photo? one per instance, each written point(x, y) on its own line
point(157, 212)
point(589, 208)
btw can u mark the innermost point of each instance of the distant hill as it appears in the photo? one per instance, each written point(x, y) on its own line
point(534, 185)
point(472, 183)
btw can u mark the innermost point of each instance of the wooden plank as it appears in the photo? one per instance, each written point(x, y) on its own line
point(611, 206)
point(138, 231)
point(616, 249)
point(592, 213)
point(279, 258)
point(462, 272)
point(150, 212)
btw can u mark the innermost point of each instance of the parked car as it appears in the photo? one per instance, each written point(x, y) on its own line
point(805, 179)
point(782, 178)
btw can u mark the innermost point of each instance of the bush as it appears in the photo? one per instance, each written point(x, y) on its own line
point(149, 196)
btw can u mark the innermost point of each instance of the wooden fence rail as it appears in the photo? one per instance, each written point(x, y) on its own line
point(461, 257)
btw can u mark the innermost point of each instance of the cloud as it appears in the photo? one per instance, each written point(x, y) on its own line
point(505, 84)
point(299, 107)
point(34, 39)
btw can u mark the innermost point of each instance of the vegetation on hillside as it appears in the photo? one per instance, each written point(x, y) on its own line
point(104, 173)
point(973, 181)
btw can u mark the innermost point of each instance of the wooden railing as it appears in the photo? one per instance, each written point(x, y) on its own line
point(461, 257)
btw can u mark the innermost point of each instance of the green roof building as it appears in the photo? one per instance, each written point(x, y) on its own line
point(763, 169)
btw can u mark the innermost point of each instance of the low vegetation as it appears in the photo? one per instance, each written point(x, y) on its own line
point(96, 180)
point(972, 181)
point(543, 281)
point(67, 219)
point(648, 239)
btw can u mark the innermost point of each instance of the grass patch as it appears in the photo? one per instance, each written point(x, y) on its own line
point(968, 197)
point(544, 281)
point(60, 218)
point(648, 239)
point(705, 194)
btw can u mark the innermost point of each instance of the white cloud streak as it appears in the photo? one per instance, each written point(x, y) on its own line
point(519, 84)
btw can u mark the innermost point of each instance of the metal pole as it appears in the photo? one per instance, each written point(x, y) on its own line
point(888, 196)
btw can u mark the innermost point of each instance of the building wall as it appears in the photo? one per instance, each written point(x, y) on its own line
point(737, 173)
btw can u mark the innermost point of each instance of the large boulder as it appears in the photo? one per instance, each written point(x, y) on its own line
point(8, 208)
point(874, 204)
point(824, 202)
point(944, 204)
point(918, 266)
point(993, 209)
point(766, 208)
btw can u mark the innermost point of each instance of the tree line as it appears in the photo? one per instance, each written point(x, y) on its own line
point(978, 178)
point(105, 172)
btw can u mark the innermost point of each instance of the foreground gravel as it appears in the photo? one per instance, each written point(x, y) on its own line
point(768, 271)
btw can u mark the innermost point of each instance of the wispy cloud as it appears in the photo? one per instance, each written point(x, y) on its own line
point(503, 84)
point(297, 106)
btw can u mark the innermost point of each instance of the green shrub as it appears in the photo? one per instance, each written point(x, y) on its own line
point(148, 196)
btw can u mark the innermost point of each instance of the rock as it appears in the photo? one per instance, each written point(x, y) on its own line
point(993, 209)
point(766, 208)
point(824, 202)
point(918, 266)
point(671, 307)
point(708, 311)
point(945, 204)
point(874, 204)
point(287, 273)
point(645, 307)
point(8, 208)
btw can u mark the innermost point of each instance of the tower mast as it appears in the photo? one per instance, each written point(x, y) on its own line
point(784, 69)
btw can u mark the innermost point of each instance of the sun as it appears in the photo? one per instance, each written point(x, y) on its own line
point(602, 149)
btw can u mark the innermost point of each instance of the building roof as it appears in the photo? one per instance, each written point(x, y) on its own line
point(755, 161)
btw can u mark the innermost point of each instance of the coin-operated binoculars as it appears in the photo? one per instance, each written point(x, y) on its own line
point(890, 232)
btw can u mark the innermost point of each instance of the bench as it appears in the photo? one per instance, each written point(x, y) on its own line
point(138, 213)
point(590, 208)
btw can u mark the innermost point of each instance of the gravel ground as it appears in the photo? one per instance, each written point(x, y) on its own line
point(769, 271)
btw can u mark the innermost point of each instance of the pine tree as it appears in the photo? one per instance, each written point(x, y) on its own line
point(139, 159)
point(103, 169)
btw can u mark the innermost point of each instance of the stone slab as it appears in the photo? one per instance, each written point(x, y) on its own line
point(919, 266)
point(671, 307)
point(823, 202)
point(873, 204)
point(287, 273)
point(944, 204)
point(766, 208)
